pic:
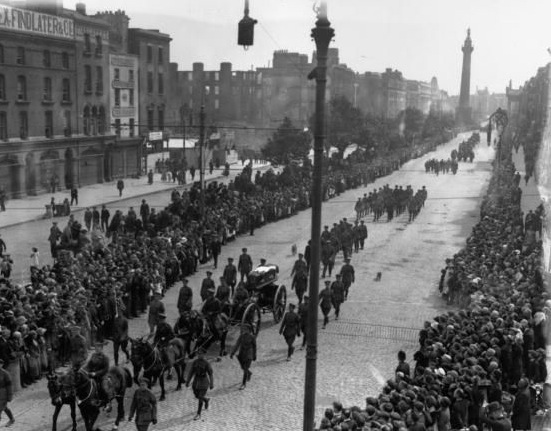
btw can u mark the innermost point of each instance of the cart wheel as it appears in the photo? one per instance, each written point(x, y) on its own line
point(280, 302)
point(251, 316)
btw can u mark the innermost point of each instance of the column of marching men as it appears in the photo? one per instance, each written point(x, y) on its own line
point(114, 267)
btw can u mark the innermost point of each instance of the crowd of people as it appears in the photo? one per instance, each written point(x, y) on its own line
point(109, 265)
point(475, 366)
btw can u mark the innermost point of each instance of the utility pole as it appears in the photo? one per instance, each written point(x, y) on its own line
point(322, 35)
point(201, 167)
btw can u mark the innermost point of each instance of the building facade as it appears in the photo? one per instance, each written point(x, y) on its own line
point(38, 111)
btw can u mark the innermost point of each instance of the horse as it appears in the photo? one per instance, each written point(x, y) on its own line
point(88, 397)
point(155, 363)
point(62, 392)
point(114, 385)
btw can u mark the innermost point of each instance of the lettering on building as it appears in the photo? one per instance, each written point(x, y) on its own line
point(35, 22)
point(81, 30)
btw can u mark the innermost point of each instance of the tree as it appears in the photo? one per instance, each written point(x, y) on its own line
point(286, 144)
point(411, 122)
point(345, 124)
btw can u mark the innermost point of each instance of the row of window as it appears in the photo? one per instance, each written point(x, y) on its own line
point(151, 119)
point(88, 45)
point(88, 80)
point(160, 54)
point(160, 82)
point(24, 124)
point(21, 89)
point(131, 127)
point(21, 57)
point(118, 97)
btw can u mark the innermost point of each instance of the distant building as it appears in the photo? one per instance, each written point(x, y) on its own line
point(394, 88)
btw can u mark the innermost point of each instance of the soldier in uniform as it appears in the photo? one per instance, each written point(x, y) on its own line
point(206, 285)
point(185, 297)
point(328, 252)
point(240, 298)
point(363, 234)
point(223, 292)
point(303, 315)
point(347, 273)
point(337, 289)
point(246, 345)
point(163, 335)
point(155, 308)
point(78, 348)
point(211, 309)
point(326, 301)
point(245, 264)
point(144, 406)
point(290, 329)
point(98, 365)
point(120, 337)
point(202, 376)
point(300, 277)
point(230, 274)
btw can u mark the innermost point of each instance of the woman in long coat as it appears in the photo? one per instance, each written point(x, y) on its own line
point(520, 418)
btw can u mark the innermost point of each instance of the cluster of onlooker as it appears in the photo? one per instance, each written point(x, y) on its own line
point(94, 281)
point(475, 366)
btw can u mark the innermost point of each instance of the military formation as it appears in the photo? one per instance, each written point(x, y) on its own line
point(393, 202)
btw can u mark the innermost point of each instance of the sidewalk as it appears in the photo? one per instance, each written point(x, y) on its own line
point(32, 208)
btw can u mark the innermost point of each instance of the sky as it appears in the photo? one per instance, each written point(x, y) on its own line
point(421, 38)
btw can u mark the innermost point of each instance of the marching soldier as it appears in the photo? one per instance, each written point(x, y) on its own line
point(245, 264)
point(206, 285)
point(326, 301)
point(337, 290)
point(185, 297)
point(144, 406)
point(202, 376)
point(363, 234)
point(290, 329)
point(155, 308)
point(246, 345)
point(347, 273)
point(230, 274)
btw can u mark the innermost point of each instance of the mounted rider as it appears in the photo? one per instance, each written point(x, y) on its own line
point(211, 310)
point(98, 366)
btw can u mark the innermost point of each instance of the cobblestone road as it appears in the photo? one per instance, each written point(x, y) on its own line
point(357, 353)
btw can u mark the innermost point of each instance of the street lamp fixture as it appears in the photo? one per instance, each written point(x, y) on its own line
point(322, 35)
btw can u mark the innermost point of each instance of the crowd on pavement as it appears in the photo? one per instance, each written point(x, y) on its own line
point(476, 367)
point(108, 268)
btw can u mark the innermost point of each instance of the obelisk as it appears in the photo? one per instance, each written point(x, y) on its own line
point(463, 111)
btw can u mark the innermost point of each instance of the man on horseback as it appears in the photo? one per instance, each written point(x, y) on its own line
point(163, 335)
point(98, 365)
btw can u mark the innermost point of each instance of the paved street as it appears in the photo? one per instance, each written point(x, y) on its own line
point(357, 353)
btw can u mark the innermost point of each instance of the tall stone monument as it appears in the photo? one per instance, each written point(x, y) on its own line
point(463, 111)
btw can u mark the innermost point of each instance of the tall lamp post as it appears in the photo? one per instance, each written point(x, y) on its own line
point(322, 35)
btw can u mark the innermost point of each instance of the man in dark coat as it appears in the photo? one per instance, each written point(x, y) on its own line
point(337, 289)
point(6, 393)
point(230, 274)
point(55, 235)
point(363, 234)
point(185, 297)
point(202, 376)
point(155, 308)
point(347, 273)
point(206, 285)
point(215, 249)
point(120, 186)
point(144, 212)
point(290, 329)
point(98, 364)
point(326, 301)
point(104, 218)
point(521, 407)
point(246, 345)
point(245, 264)
point(494, 417)
point(144, 406)
point(120, 337)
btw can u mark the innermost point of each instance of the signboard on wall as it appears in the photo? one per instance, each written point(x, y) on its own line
point(155, 136)
point(28, 21)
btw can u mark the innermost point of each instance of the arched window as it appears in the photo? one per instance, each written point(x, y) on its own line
point(86, 118)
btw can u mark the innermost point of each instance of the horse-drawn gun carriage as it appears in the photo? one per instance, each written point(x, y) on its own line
point(264, 296)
